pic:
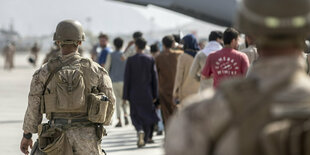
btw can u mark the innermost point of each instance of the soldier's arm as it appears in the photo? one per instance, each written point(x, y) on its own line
point(191, 130)
point(105, 85)
point(33, 116)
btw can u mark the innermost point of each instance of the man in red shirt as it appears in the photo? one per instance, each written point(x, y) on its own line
point(227, 62)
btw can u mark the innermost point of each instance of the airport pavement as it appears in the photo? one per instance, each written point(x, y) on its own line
point(14, 89)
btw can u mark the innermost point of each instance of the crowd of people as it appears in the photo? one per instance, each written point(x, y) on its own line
point(208, 99)
point(155, 82)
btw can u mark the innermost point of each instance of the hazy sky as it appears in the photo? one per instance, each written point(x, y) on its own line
point(37, 17)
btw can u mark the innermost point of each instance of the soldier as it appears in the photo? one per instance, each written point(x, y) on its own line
point(9, 52)
point(34, 52)
point(265, 113)
point(73, 92)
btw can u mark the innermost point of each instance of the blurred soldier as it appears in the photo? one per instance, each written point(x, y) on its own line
point(140, 89)
point(9, 52)
point(116, 68)
point(266, 113)
point(251, 50)
point(214, 44)
point(54, 53)
point(34, 54)
point(72, 91)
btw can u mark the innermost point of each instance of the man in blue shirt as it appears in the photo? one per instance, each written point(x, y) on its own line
point(104, 49)
point(116, 68)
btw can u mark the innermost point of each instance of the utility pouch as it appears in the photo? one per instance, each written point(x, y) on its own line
point(35, 149)
point(99, 108)
point(53, 141)
point(100, 131)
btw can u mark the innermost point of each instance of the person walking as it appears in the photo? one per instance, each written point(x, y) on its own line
point(185, 85)
point(166, 64)
point(228, 62)
point(34, 53)
point(214, 44)
point(140, 89)
point(9, 52)
point(251, 50)
point(116, 69)
point(76, 95)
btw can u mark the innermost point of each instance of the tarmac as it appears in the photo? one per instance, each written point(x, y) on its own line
point(14, 89)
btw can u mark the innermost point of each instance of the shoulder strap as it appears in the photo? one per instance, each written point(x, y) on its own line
point(49, 79)
point(308, 65)
point(54, 71)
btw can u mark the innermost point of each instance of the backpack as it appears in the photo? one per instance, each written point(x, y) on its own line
point(264, 128)
point(67, 89)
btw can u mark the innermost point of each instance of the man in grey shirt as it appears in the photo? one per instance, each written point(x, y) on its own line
point(116, 68)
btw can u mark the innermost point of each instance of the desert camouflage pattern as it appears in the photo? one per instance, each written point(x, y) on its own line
point(206, 113)
point(83, 140)
point(8, 53)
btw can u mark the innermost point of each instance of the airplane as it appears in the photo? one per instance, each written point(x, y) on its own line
point(219, 12)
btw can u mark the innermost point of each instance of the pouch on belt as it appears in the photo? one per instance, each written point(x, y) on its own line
point(53, 141)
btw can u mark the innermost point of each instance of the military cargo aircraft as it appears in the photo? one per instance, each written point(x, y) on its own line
point(219, 12)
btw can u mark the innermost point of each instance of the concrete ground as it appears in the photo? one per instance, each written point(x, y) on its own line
point(14, 89)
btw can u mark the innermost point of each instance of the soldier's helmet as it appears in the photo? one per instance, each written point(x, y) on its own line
point(68, 31)
point(274, 18)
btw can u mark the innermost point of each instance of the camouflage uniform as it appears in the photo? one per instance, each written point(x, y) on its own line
point(9, 52)
point(200, 121)
point(82, 138)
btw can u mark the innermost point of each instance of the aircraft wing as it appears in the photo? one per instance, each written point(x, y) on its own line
point(219, 12)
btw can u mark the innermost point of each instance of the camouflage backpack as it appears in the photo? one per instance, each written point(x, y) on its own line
point(264, 128)
point(68, 90)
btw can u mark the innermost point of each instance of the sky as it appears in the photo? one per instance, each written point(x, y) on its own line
point(40, 17)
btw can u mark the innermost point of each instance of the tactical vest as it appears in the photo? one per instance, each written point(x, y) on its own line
point(68, 88)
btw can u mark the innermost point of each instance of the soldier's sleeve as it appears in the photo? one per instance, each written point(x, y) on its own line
point(190, 130)
point(33, 116)
point(105, 85)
